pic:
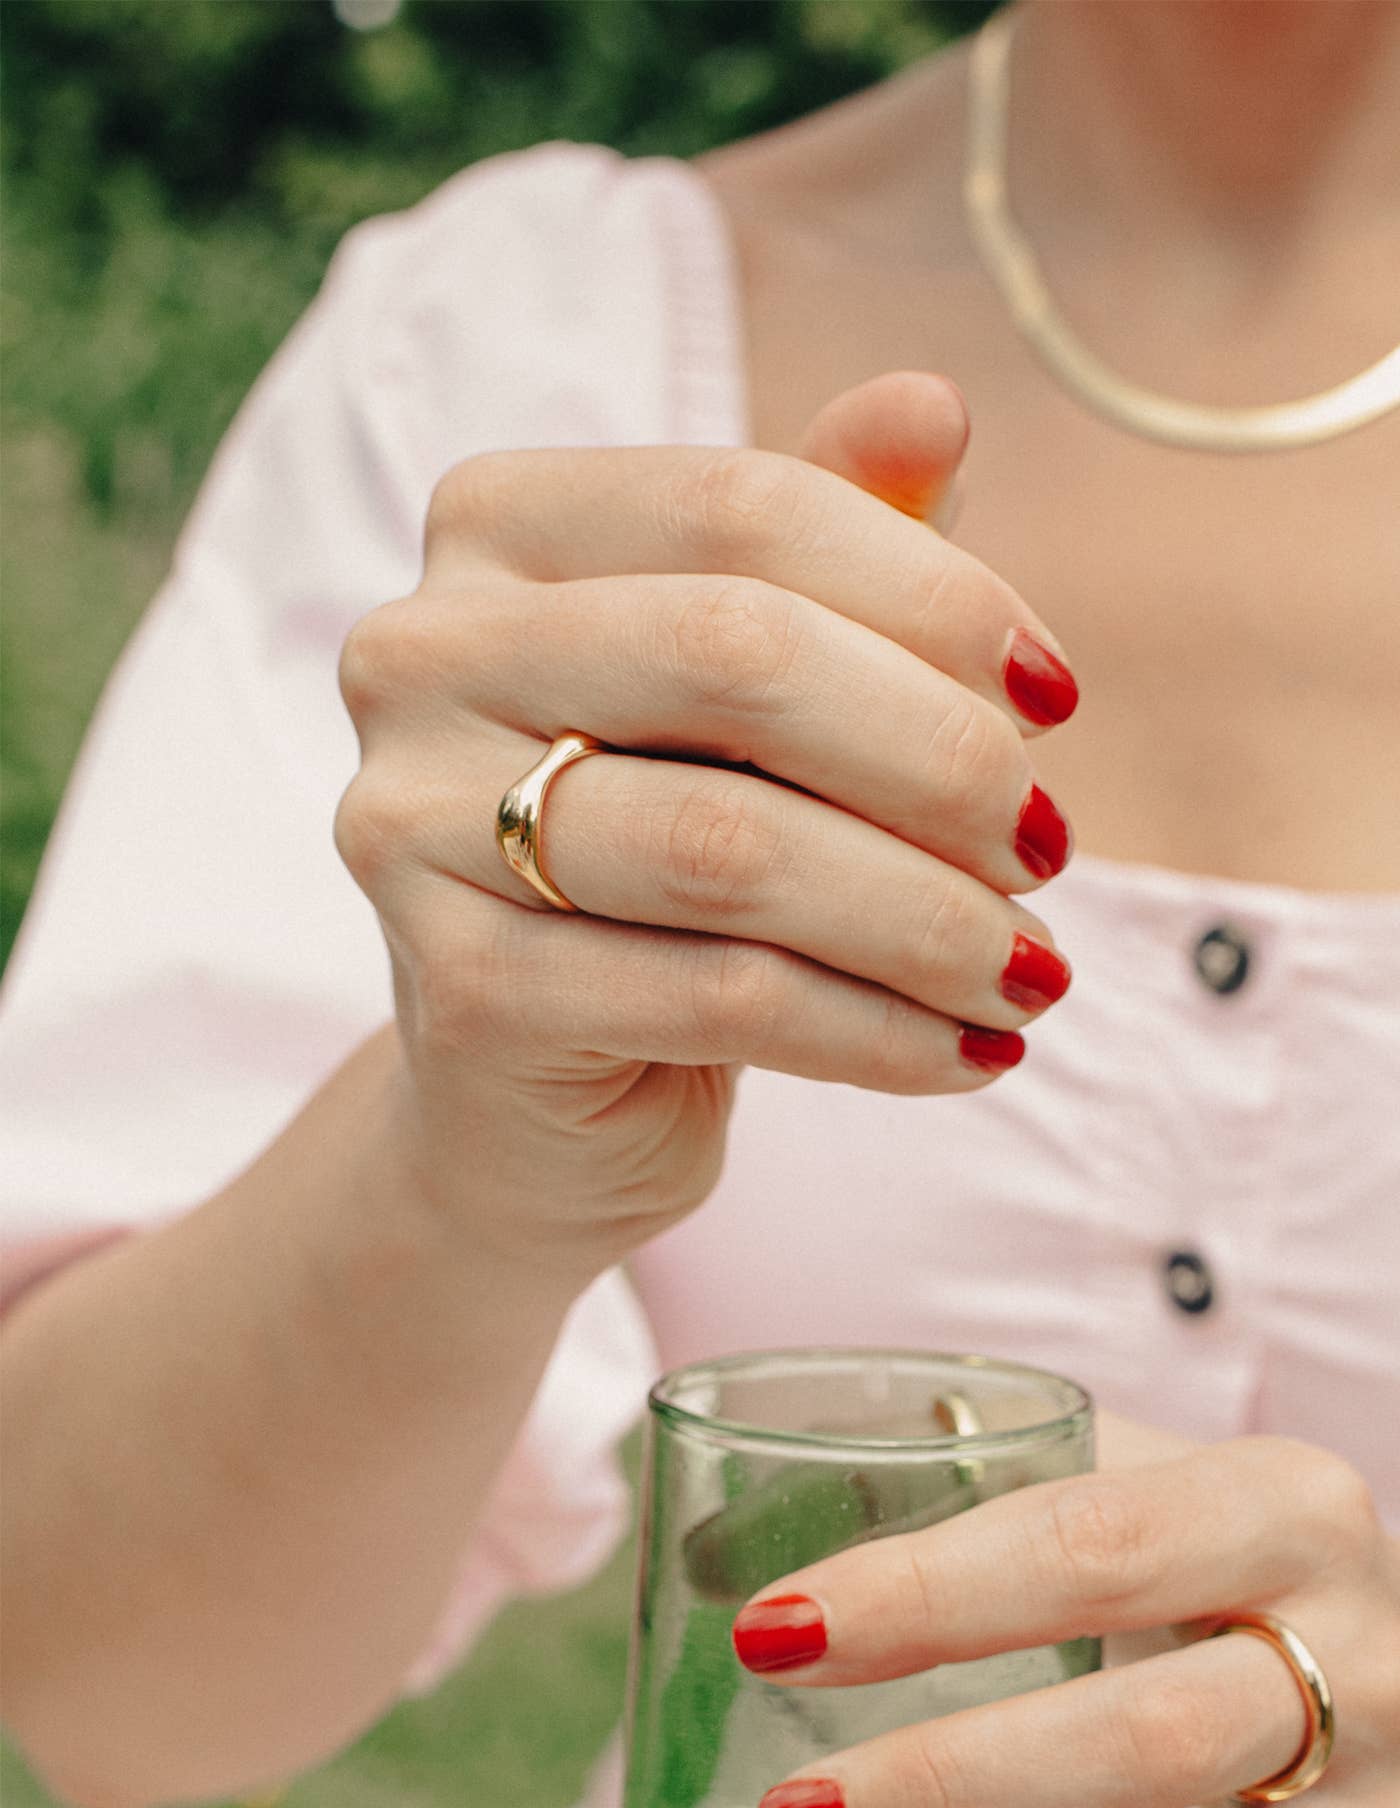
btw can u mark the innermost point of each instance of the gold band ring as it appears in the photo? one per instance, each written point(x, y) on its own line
point(518, 814)
point(1312, 1760)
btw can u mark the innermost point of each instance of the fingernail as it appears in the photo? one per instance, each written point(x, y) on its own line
point(992, 1050)
point(779, 1633)
point(1043, 840)
point(1035, 975)
point(806, 1792)
point(1041, 686)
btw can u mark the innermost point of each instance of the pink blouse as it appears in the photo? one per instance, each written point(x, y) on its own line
point(1188, 1197)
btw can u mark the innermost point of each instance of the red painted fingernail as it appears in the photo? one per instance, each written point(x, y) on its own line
point(992, 1050)
point(806, 1792)
point(779, 1633)
point(1035, 975)
point(1041, 686)
point(1043, 840)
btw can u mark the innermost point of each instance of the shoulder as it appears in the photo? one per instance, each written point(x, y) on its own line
point(540, 296)
point(545, 227)
point(525, 201)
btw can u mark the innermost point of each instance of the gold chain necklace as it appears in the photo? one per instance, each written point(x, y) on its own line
point(1012, 266)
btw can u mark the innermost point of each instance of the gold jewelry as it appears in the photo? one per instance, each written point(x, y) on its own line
point(518, 814)
point(1010, 262)
point(1312, 1760)
point(955, 1414)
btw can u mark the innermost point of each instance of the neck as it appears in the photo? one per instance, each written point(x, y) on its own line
point(1251, 123)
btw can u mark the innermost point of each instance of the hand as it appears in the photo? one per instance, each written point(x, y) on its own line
point(798, 856)
point(1260, 1524)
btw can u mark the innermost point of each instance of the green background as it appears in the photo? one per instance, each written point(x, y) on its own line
point(176, 174)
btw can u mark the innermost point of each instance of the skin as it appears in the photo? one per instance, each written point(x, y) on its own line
point(352, 1371)
point(1226, 266)
point(1229, 250)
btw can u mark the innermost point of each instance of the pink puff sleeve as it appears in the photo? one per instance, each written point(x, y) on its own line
point(195, 960)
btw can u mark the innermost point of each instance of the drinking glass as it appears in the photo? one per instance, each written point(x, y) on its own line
point(759, 1464)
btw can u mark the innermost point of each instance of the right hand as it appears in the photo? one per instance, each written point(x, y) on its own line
point(810, 871)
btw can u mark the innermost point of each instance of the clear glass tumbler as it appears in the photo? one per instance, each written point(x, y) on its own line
point(758, 1464)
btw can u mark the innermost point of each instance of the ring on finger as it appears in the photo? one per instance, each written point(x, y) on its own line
point(1313, 1686)
point(519, 814)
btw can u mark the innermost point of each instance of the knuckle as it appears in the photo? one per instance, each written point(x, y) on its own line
point(735, 645)
point(940, 1777)
point(1103, 1540)
point(401, 649)
point(944, 930)
point(362, 666)
point(470, 494)
point(896, 1057)
point(921, 1585)
point(933, 598)
point(1336, 1499)
point(717, 848)
point(952, 589)
point(1167, 1733)
point(369, 831)
point(740, 996)
point(972, 750)
point(453, 999)
point(738, 502)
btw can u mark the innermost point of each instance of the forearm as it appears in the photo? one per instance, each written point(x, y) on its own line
point(241, 1455)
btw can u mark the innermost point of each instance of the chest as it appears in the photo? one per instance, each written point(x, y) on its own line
point(1234, 621)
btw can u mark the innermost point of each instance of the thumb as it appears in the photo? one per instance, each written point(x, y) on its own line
point(901, 436)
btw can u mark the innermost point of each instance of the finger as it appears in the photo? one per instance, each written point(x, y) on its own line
point(900, 437)
point(1165, 1543)
point(554, 515)
point(1187, 1727)
point(596, 987)
point(693, 847)
point(738, 670)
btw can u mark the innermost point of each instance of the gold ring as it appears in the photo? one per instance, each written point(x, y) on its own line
point(518, 814)
point(955, 1414)
point(1312, 1760)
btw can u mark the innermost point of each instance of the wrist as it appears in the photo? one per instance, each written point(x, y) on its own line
point(401, 1288)
point(464, 1165)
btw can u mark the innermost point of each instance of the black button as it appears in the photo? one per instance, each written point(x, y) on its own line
point(1188, 1280)
point(1222, 959)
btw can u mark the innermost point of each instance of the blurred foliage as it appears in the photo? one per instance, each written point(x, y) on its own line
point(177, 172)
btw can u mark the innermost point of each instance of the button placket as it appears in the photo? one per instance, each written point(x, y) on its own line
point(1227, 962)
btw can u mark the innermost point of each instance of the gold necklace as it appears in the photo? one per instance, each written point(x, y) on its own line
point(1012, 266)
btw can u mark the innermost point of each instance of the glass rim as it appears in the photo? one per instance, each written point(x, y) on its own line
point(683, 1418)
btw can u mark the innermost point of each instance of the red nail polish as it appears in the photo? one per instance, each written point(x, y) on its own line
point(992, 1050)
point(1043, 840)
point(1041, 686)
point(806, 1792)
point(1035, 975)
point(779, 1633)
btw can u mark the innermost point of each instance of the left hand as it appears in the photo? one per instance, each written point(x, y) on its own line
point(1177, 1534)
